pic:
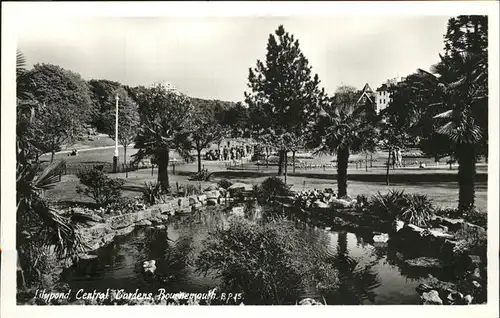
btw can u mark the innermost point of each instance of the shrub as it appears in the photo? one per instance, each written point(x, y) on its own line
point(270, 263)
point(99, 187)
point(476, 217)
point(472, 215)
point(224, 183)
point(192, 189)
point(471, 239)
point(411, 208)
point(418, 209)
point(152, 193)
point(272, 186)
point(362, 202)
point(203, 175)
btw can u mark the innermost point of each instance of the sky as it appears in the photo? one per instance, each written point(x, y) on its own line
point(210, 57)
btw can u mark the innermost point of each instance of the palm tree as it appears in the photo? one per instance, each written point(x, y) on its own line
point(344, 128)
point(165, 115)
point(460, 82)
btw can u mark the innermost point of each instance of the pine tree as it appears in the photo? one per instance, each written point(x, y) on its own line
point(284, 95)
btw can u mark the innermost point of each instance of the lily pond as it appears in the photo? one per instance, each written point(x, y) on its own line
point(374, 276)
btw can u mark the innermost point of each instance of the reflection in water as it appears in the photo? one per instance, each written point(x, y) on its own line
point(368, 274)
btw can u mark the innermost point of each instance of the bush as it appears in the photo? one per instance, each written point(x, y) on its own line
point(272, 186)
point(192, 189)
point(99, 187)
point(152, 193)
point(472, 239)
point(476, 217)
point(224, 183)
point(270, 263)
point(411, 208)
point(472, 216)
point(203, 175)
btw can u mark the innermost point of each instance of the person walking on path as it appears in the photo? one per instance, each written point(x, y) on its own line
point(399, 158)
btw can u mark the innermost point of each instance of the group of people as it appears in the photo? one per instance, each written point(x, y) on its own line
point(397, 158)
point(229, 153)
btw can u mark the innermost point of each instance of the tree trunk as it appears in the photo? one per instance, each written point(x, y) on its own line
point(52, 156)
point(125, 160)
point(388, 163)
point(293, 160)
point(163, 159)
point(342, 162)
point(466, 177)
point(199, 161)
point(286, 165)
point(267, 157)
point(281, 161)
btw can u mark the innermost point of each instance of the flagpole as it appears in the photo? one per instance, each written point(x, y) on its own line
point(115, 157)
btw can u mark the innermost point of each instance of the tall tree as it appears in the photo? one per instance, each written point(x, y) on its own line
point(344, 127)
point(40, 228)
point(460, 84)
point(236, 120)
point(128, 120)
point(66, 104)
point(283, 93)
point(165, 125)
point(101, 92)
point(205, 130)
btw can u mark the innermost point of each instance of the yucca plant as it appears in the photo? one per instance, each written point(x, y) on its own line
point(387, 206)
point(418, 209)
point(152, 192)
point(411, 208)
point(42, 231)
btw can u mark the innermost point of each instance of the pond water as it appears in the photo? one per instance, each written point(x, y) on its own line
point(375, 279)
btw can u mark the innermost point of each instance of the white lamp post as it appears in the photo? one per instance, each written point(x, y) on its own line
point(115, 157)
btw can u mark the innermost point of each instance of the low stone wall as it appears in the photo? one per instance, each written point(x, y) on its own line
point(103, 231)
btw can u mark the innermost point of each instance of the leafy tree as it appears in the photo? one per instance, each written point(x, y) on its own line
point(165, 125)
point(460, 84)
point(99, 187)
point(40, 228)
point(283, 94)
point(65, 104)
point(344, 127)
point(237, 120)
point(267, 262)
point(128, 120)
point(102, 91)
point(205, 130)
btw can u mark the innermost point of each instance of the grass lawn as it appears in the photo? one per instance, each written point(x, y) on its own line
point(439, 184)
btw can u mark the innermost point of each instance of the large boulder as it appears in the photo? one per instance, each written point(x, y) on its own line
point(437, 233)
point(451, 224)
point(122, 221)
point(168, 206)
point(424, 262)
point(397, 225)
point(211, 187)
point(202, 198)
point(183, 203)
point(239, 187)
point(88, 217)
point(212, 202)
point(431, 298)
point(238, 210)
point(381, 238)
point(144, 223)
point(320, 204)
point(215, 194)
